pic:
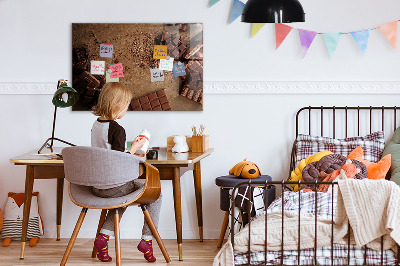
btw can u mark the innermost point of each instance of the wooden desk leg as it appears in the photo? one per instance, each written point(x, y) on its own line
point(176, 183)
point(199, 204)
point(223, 229)
point(60, 191)
point(27, 206)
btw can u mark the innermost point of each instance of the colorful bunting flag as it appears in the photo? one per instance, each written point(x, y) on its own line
point(306, 39)
point(332, 41)
point(256, 27)
point(361, 37)
point(213, 2)
point(281, 31)
point(389, 30)
point(237, 9)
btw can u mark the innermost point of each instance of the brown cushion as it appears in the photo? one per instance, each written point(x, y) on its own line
point(328, 164)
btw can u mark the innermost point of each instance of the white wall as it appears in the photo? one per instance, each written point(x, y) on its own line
point(35, 46)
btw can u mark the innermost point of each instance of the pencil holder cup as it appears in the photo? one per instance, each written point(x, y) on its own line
point(200, 143)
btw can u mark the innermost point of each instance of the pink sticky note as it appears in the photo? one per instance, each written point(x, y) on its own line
point(117, 71)
point(114, 75)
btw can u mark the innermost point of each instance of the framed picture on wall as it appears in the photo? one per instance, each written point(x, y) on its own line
point(161, 63)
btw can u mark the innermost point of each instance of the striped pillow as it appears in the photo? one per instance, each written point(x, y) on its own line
point(372, 145)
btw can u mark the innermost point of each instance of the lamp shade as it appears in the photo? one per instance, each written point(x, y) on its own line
point(65, 96)
point(273, 11)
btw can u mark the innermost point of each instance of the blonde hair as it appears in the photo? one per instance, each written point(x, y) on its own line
point(112, 99)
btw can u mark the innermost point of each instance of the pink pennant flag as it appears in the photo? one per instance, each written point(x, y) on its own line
point(281, 31)
point(306, 39)
point(389, 30)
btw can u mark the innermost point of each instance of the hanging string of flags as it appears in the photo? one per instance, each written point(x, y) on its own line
point(361, 37)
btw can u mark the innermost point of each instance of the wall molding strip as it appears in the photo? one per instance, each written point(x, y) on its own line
point(243, 87)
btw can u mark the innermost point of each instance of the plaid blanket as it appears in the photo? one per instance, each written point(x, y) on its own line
point(323, 205)
point(306, 201)
point(324, 257)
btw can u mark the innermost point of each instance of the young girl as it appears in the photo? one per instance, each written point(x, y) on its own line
point(113, 103)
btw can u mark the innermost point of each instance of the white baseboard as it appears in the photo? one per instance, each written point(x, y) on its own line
point(244, 87)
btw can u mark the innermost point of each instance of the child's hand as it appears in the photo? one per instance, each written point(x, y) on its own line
point(137, 144)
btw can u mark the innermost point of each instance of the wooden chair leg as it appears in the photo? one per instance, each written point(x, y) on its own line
point(154, 230)
point(117, 238)
point(101, 222)
point(73, 237)
point(223, 229)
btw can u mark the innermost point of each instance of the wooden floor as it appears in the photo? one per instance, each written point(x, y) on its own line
point(50, 252)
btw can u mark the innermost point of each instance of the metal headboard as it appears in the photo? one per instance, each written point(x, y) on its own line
point(345, 121)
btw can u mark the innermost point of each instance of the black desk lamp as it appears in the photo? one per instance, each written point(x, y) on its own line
point(64, 97)
point(273, 11)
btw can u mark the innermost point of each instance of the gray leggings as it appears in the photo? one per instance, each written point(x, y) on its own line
point(154, 208)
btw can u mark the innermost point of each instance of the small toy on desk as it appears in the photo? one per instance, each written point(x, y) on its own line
point(13, 215)
point(245, 169)
point(180, 144)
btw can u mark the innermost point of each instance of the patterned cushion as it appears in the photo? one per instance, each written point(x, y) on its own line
point(372, 144)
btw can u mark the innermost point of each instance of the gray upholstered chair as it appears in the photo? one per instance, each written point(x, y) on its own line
point(85, 167)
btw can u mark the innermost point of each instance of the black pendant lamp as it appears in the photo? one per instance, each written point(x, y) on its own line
point(273, 11)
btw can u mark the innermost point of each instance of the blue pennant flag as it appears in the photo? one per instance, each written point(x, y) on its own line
point(213, 2)
point(237, 9)
point(361, 38)
point(332, 41)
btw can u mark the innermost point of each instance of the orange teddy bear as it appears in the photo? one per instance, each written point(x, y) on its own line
point(245, 169)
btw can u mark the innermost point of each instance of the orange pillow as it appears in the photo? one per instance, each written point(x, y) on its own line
point(375, 170)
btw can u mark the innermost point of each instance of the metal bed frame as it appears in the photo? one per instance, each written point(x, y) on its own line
point(284, 184)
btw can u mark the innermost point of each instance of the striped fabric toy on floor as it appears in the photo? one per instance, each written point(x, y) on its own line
point(13, 215)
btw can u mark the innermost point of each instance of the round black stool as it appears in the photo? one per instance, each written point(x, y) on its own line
point(226, 183)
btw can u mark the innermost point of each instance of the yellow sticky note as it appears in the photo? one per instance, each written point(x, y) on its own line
point(160, 51)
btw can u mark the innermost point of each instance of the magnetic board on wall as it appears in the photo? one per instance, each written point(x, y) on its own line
point(161, 63)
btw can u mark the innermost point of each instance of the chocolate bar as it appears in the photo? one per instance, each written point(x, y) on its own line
point(90, 97)
point(80, 59)
point(156, 101)
point(182, 47)
point(177, 45)
point(172, 40)
point(192, 94)
point(89, 87)
point(194, 78)
point(85, 81)
point(193, 82)
point(102, 80)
